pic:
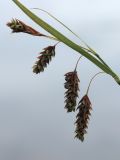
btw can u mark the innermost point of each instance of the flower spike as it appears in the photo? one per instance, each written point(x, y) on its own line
point(72, 86)
point(84, 108)
point(44, 59)
point(18, 26)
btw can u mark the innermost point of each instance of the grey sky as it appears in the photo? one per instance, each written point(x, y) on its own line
point(33, 122)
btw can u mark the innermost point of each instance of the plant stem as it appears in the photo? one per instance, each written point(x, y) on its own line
point(77, 63)
point(66, 41)
point(92, 80)
point(57, 43)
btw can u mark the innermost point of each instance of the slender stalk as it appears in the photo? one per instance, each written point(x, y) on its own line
point(91, 81)
point(66, 41)
point(77, 63)
point(57, 43)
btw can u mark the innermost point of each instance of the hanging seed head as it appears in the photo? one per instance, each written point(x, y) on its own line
point(18, 26)
point(84, 108)
point(72, 86)
point(44, 59)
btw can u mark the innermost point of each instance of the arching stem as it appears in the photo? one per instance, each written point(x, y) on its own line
point(77, 63)
point(92, 80)
point(57, 43)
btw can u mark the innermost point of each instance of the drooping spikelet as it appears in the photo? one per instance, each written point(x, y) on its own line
point(44, 59)
point(84, 108)
point(18, 26)
point(72, 86)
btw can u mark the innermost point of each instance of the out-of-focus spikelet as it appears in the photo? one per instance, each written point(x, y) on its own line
point(19, 26)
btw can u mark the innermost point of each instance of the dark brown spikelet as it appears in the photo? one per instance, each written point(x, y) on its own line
point(72, 86)
point(18, 26)
point(44, 59)
point(84, 108)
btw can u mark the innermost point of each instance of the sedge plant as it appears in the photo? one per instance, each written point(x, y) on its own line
point(71, 78)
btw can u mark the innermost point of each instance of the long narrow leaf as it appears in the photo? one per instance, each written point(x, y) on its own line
point(65, 40)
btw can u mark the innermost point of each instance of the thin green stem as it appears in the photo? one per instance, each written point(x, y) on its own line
point(57, 43)
point(91, 81)
point(77, 63)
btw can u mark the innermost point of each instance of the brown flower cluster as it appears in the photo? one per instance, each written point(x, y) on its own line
point(44, 59)
point(72, 86)
point(18, 26)
point(84, 108)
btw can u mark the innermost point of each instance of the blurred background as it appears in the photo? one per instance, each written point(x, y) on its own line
point(33, 122)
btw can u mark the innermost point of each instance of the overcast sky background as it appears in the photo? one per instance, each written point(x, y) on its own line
point(33, 122)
